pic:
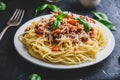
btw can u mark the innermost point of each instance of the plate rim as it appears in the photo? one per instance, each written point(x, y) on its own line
point(50, 64)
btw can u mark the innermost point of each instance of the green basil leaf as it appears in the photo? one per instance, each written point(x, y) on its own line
point(100, 15)
point(58, 20)
point(2, 6)
point(61, 15)
point(40, 8)
point(56, 24)
point(34, 77)
point(108, 24)
point(86, 25)
point(54, 8)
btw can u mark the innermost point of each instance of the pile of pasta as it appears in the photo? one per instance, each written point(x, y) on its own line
point(69, 53)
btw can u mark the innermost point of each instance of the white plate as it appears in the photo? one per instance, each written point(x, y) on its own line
point(23, 52)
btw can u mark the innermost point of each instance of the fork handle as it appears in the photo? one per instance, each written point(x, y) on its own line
point(3, 32)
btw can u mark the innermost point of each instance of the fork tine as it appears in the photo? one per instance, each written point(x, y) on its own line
point(13, 14)
point(23, 11)
point(17, 14)
point(18, 17)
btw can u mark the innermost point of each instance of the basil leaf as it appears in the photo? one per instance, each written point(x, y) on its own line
point(34, 77)
point(108, 24)
point(58, 20)
point(86, 25)
point(100, 15)
point(2, 5)
point(54, 8)
point(102, 18)
point(61, 15)
point(40, 8)
point(56, 24)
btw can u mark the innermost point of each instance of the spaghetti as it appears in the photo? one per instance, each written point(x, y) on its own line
point(69, 44)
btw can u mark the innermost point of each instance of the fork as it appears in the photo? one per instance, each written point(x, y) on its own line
point(15, 20)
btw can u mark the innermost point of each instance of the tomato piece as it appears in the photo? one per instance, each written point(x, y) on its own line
point(73, 22)
point(55, 48)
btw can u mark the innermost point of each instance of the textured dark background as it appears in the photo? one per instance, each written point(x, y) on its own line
point(14, 67)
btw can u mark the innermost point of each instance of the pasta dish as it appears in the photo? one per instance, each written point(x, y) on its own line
point(64, 39)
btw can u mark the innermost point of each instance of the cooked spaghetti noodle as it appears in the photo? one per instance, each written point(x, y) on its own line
point(69, 44)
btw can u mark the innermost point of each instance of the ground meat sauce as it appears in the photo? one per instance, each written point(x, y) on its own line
point(69, 27)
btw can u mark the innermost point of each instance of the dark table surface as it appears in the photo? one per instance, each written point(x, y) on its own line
point(14, 67)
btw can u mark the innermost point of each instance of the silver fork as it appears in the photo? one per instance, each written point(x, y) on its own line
point(15, 20)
